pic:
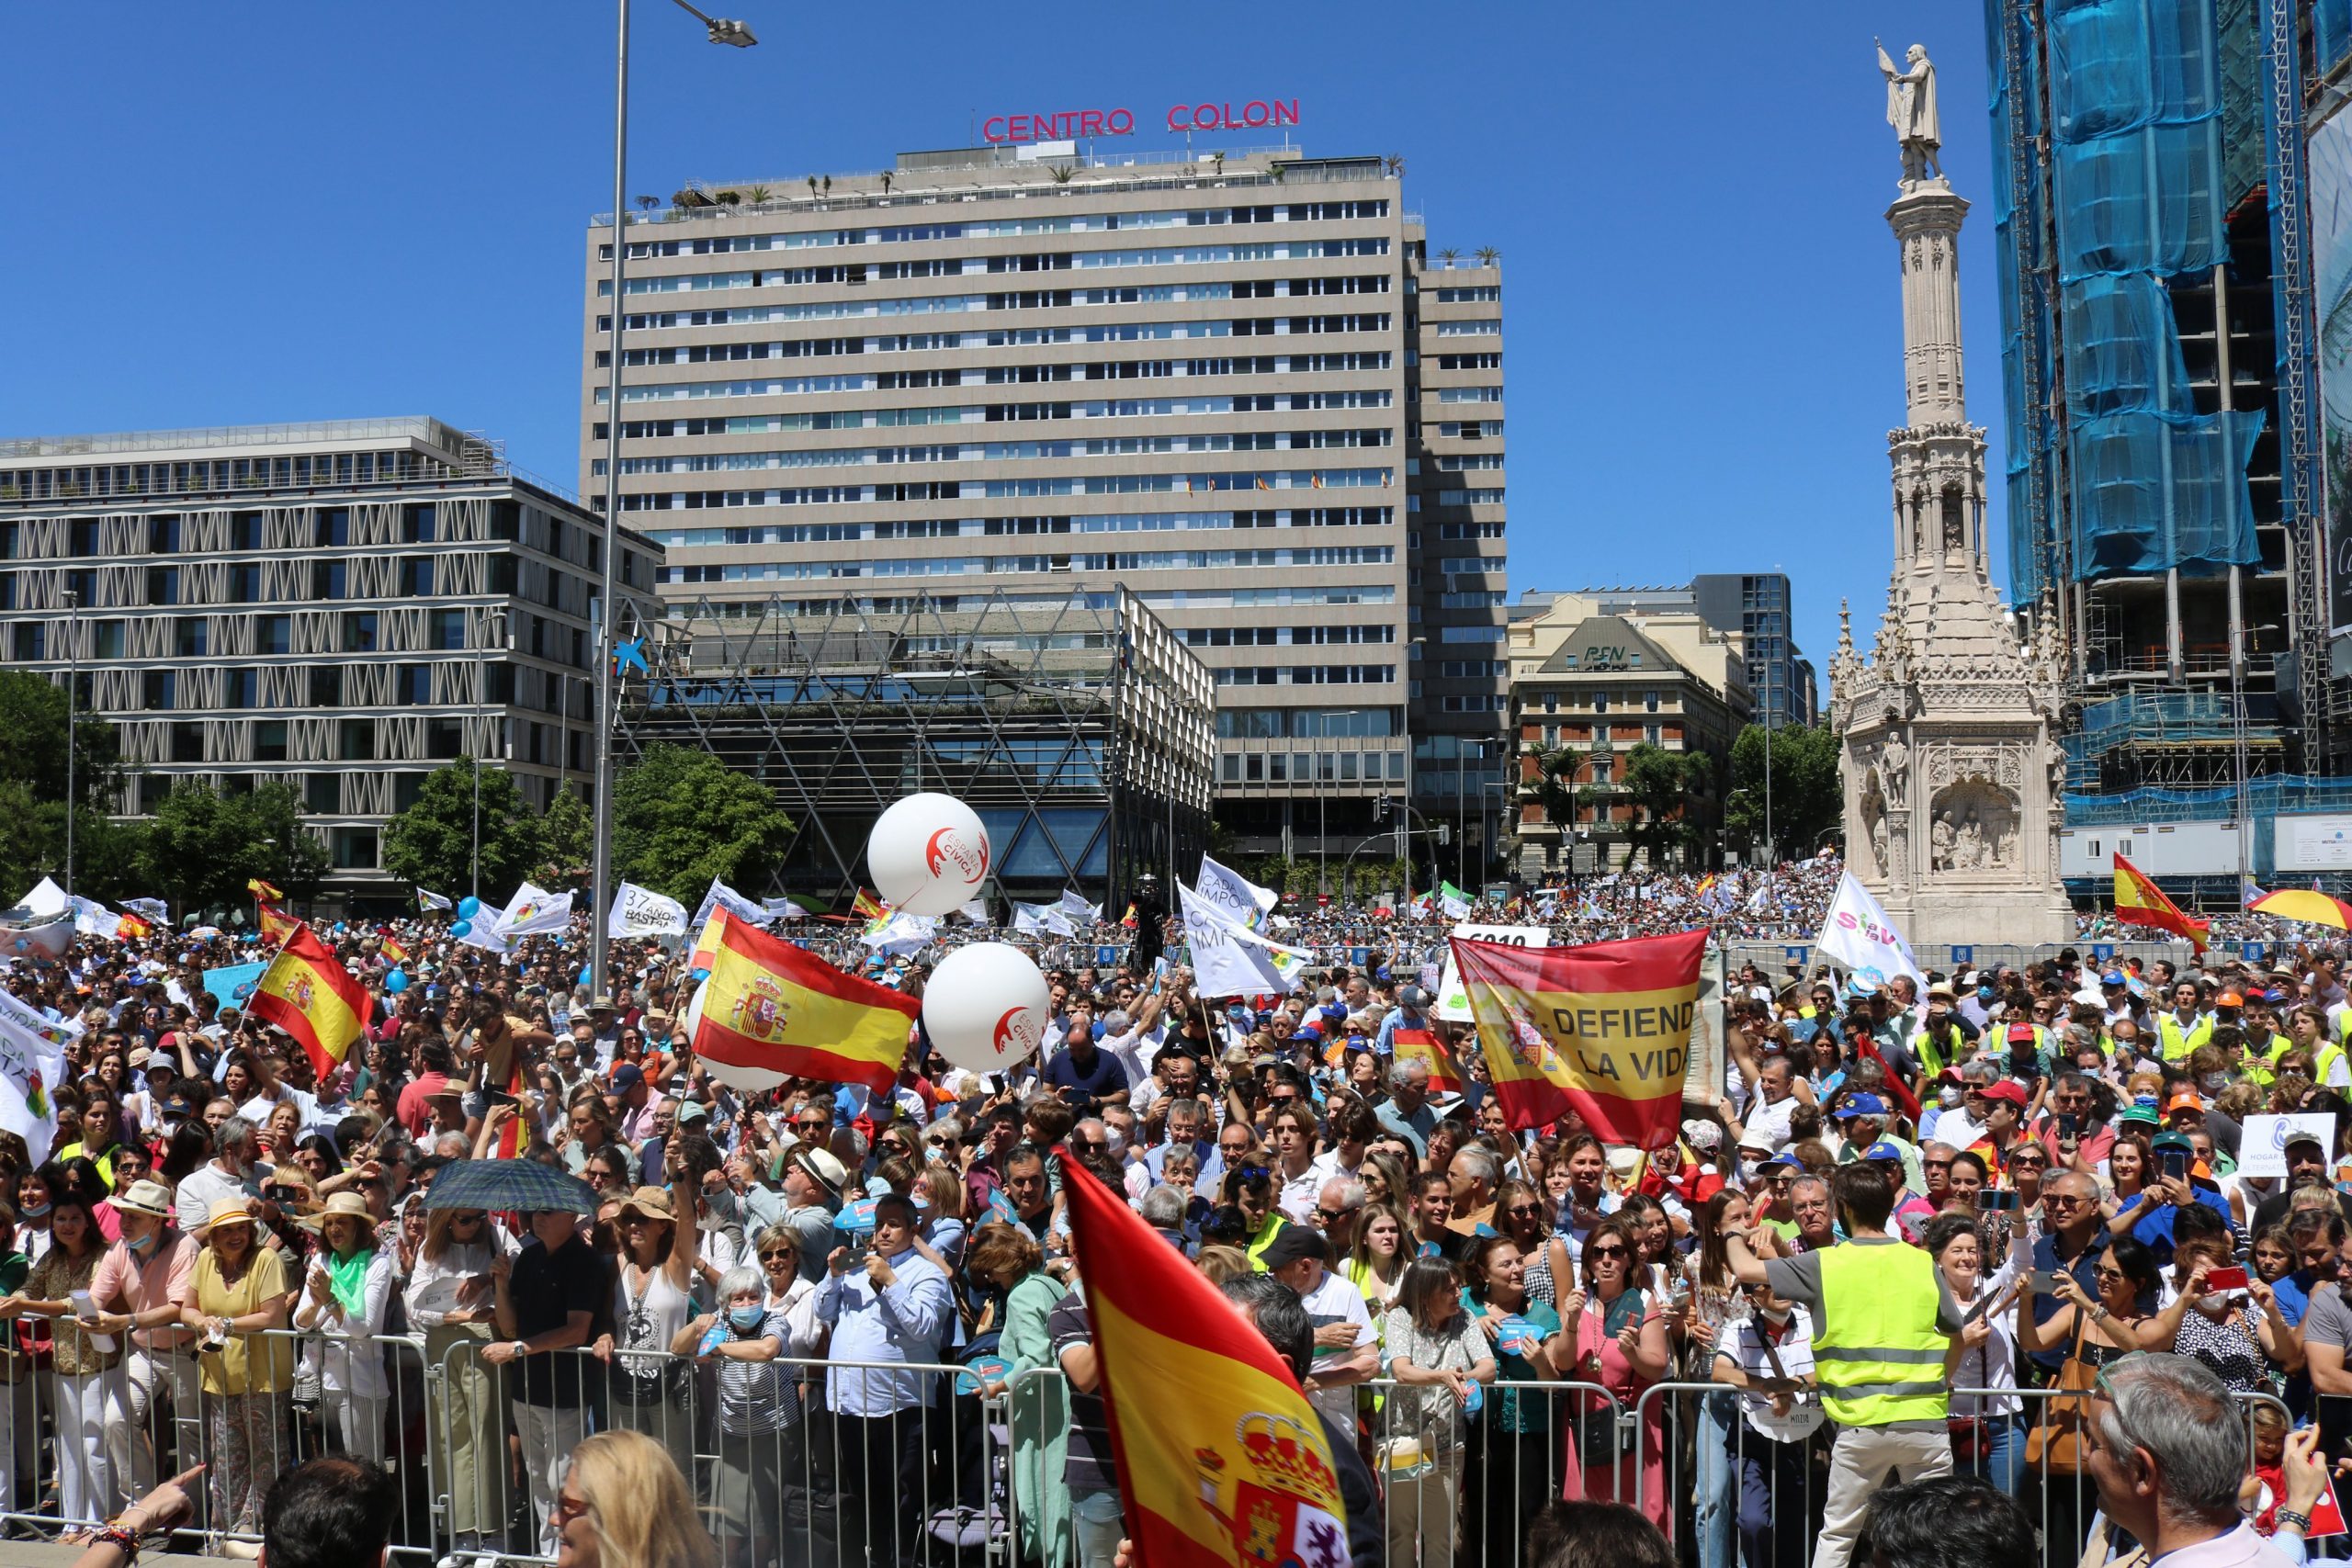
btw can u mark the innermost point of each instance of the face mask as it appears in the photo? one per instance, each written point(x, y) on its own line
point(1775, 1314)
point(1951, 1097)
point(2215, 1083)
point(1747, 1169)
point(1983, 993)
point(1117, 1140)
point(143, 1244)
point(34, 1210)
point(746, 1317)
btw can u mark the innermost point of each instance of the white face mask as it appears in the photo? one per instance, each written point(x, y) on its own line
point(1774, 1314)
point(1747, 1169)
point(1950, 1097)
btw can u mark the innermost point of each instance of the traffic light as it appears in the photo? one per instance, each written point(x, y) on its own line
point(1380, 809)
point(1445, 832)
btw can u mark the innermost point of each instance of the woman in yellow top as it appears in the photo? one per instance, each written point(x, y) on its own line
point(83, 1385)
point(238, 1290)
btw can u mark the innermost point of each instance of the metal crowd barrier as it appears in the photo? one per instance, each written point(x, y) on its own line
point(876, 1465)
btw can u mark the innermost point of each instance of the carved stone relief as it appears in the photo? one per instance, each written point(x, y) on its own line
point(1973, 825)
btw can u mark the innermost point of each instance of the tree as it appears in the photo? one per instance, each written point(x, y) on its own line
point(33, 717)
point(1659, 785)
point(567, 842)
point(681, 817)
point(203, 847)
point(1808, 793)
point(430, 844)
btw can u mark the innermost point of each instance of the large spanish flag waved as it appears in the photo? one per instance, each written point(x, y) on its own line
point(2140, 902)
point(1601, 1030)
point(306, 992)
point(1222, 1463)
point(772, 1007)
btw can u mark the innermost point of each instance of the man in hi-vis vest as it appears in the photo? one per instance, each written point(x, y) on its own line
point(1885, 1334)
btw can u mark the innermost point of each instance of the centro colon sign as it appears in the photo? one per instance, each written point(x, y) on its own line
point(1062, 125)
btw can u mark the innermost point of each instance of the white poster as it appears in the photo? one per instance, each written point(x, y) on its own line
point(640, 911)
point(2262, 1147)
point(535, 910)
point(1856, 935)
point(1240, 898)
point(1229, 958)
point(1452, 1001)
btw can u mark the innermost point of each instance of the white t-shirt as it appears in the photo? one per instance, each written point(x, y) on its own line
point(1336, 1300)
point(1769, 1121)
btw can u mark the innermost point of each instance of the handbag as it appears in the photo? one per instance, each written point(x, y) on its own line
point(2055, 1447)
point(1603, 1440)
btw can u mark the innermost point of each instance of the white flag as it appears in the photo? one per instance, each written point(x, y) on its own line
point(93, 918)
point(1074, 905)
point(640, 911)
point(723, 897)
point(31, 1047)
point(154, 909)
point(1857, 934)
point(535, 910)
point(1229, 958)
point(902, 932)
point(977, 911)
point(429, 902)
point(1041, 919)
point(1240, 898)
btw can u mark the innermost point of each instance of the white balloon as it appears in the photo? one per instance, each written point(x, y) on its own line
point(750, 1080)
point(929, 855)
point(986, 1007)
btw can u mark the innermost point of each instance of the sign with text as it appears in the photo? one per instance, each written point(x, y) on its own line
point(1064, 125)
point(1452, 1000)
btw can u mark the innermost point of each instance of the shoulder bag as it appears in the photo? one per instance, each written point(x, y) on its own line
point(2055, 1447)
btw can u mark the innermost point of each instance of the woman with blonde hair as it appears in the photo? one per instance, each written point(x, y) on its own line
point(625, 1505)
point(451, 1297)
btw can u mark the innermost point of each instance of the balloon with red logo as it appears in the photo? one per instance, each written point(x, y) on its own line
point(986, 1007)
point(929, 855)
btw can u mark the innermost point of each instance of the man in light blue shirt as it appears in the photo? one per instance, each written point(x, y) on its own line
point(889, 1310)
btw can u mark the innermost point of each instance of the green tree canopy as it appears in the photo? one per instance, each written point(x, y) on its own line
point(681, 817)
point(1808, 798)
point(203, 847)
point(568, 834)
point(1659, 782)
point(33, 718)
point(430, 844)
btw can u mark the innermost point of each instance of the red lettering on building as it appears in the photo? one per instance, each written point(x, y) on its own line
point(1061, 125)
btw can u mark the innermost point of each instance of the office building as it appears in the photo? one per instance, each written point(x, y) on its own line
point(1756, 606)
point(1233, 385)
point(344, 606)
point(1591, 679)
point(2168, 175)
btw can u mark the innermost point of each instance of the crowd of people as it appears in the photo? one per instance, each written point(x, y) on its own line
point(1912, 1232)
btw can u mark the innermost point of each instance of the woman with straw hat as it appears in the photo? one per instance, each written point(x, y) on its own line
point(343, 1297)
point(237, 1294)
point(652, 1299)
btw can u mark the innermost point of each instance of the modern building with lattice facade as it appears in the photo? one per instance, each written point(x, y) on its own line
point(342, 604)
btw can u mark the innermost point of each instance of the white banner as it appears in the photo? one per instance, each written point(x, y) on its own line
point(535, 910)
point(428, 902)
point(1856, 935)
point(93, 918)
point(153, 909)
point(44, 938)
point(1231, 960)
point(640, 911)
point(902, 932)
point(723, 897)
point(33, 1049)
point(1240, 898)
point(1073, 906)
point(977, 911)
point(1453, 1000)
point(1041, 919)
point(2262, 1148)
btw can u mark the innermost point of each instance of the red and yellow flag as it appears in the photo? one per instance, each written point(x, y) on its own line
point(394, 950)
point(306, 992)
point(867, 906)
point(1603, 1030)
point(2140, 902)
point(277, 925)
point(1421, 1046)
point(1222, 1461)
point(129, 928)
point(705, 945)
point(773, 1008)
point(263, 892)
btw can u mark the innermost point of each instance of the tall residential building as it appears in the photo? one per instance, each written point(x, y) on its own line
point(1234, 386)
point(1755, 605)
point(344, 606)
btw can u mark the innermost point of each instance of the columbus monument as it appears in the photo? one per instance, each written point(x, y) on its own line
point(1951, 777)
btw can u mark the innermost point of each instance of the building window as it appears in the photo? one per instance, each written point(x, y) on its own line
point(158, 686)
point(359, 632)
point(420, 524)
point(190, 638)
point(335, 525)
point(273, 634)
point(188, 741)
point(445, 738)
point(326, 685)
point(163, 585)
point(416, 576)
point(323, 793)
point(1649, 702)
point(356, 738)
point(244, 584)
point(449, 627)
point(242, 688)
point(354, 849)
point(327, 580)
point(269, 740)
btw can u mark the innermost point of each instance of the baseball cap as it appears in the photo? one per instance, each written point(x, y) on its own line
point(2006, 1090)
point(1294, 1242)
point(1861, 1105)
point(2113, 978)
point(626, 1076)
point(2021, 1034)
point(2182, 1095)
point(2229, 999)
point(1884, 1150)
point(1779, 1162)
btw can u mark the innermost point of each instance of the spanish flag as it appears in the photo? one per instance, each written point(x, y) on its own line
point(1222, 1463)
point(1603, 1030)
point(2140, 902)
point(771, 1007)
point(1421, 1046)
point(867, 906)
point(277, 925)
point(393, 950)
point(129, 928)
point(263, 892)
point(306, 993)
point(705, 945)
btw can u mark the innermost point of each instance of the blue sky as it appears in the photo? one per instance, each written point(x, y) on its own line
point(255, 210)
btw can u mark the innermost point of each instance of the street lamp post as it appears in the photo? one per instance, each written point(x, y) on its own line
point(73, 720)
point(2240, 746)
point(737, 34)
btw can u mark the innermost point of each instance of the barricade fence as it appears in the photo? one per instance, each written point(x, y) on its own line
point(839, 1464)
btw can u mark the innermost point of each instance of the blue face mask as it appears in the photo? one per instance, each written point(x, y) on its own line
point(746, 1317)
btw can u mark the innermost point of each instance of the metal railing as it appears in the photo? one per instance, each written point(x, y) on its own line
point(865, 1464)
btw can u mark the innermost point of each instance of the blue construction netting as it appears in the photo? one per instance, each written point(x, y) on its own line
point(2134, 130)
point(2265, 798)
point(2330, 34)
point(2136, 176)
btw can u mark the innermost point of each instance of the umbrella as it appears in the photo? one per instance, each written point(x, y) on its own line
point(2309, 906)
point(522, 1185)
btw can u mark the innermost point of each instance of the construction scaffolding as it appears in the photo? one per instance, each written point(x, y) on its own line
point(1082, 732)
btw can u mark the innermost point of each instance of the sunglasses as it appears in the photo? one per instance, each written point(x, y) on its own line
point(1523, 1212)
point(1597, 1253)
point(780, 1254)
point(466, 1219)
point(1331, 1216)
point(1252, 1173)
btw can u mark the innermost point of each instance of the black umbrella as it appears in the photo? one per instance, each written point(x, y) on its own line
point(523, 1185)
